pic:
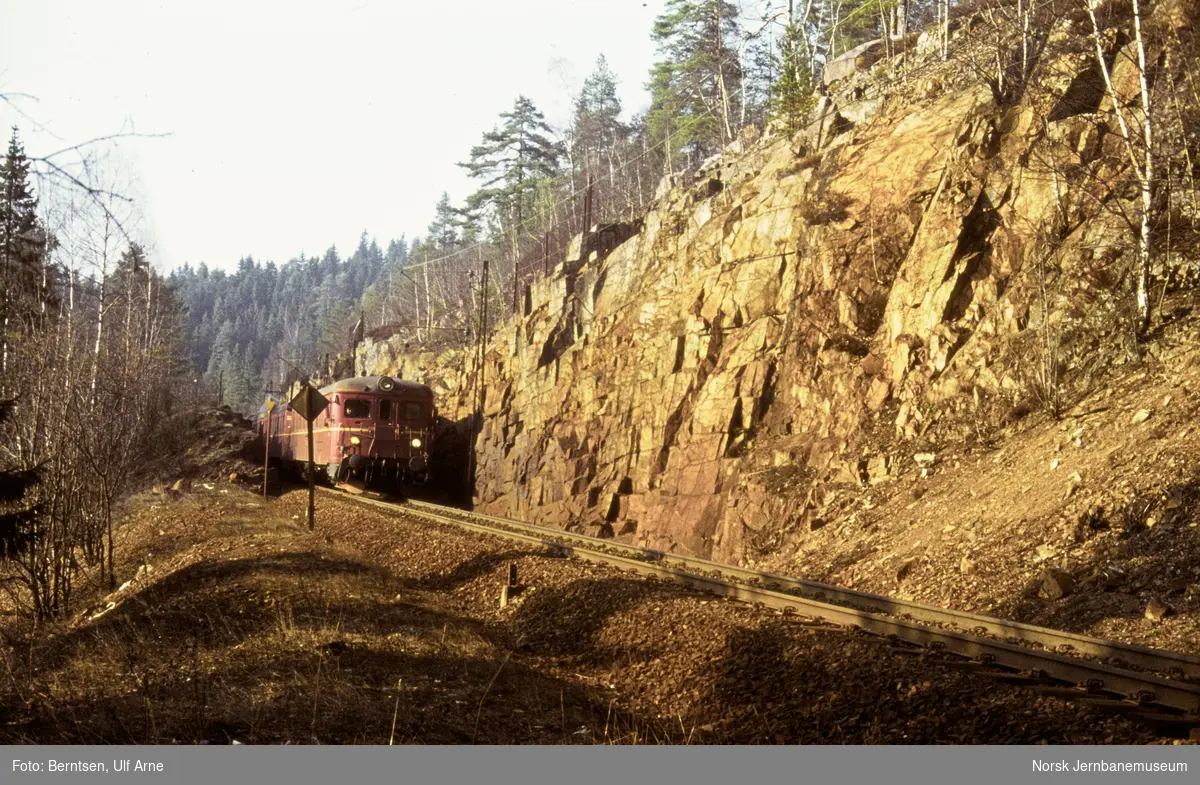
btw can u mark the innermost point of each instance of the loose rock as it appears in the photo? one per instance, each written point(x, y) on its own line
point(1056, 584)
point(1156, 611)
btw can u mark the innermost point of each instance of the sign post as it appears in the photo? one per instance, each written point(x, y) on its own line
point(308, 403)
point(270, 406)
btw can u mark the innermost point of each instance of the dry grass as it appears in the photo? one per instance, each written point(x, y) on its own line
point(250, 629)
point(377, 630)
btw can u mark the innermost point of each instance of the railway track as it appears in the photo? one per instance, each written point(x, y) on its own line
point(1153, 686)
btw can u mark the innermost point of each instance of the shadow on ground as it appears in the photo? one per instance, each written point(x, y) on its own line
point(781, 683)
point(290, 647)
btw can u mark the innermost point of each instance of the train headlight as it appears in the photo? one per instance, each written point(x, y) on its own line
point(386, 383)
point(355, 441)
point(416, 443)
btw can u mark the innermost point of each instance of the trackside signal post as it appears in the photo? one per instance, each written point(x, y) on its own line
point(308, 403)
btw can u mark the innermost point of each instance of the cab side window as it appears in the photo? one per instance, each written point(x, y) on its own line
point(357, 408)
point(385, 411)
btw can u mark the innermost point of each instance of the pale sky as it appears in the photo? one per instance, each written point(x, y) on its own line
point(295, 125)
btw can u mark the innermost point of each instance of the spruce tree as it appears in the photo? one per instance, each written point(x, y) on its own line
point(599, 142)
point(15, 517)
point(442, 233)
point(596, 130)
point(396, 253)
point(794, 95)
point(22, 246)
point(19, 235)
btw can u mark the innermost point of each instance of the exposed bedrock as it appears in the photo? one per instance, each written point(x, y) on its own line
point(701, 378)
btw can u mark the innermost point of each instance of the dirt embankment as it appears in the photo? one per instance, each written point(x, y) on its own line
point(1086, 523)
point(237, 624)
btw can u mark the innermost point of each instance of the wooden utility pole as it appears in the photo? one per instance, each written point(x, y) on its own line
point(587, 222)
point(267, 438)
point(483, 341)
point(516, 285)
point(477, 392)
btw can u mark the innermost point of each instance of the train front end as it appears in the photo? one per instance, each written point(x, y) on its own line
point(379, 430)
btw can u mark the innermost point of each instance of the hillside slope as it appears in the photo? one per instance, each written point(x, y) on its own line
point(793, 332)
point(234, 623)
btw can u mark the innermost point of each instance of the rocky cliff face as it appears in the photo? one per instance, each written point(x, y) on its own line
point(803, 313)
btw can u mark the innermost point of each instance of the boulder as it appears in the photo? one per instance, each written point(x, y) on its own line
point(877, 394)
point(878, 468)
point(861, 56)
point(1156, 611)
point(1056, 584)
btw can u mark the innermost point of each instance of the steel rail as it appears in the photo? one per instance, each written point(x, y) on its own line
point(1156, 698)
point(1157, 660)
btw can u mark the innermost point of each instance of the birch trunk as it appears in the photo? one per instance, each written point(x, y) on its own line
point(944, 5)
point(1143, 169)
point(1147, 177)
point(717, 43)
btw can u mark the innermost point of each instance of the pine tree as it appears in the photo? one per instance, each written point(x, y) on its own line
point(514, 162)
point(695, 87)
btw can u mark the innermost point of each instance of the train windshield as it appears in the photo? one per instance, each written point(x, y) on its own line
point(385, 411)
point(357, 407)
point(412, 411)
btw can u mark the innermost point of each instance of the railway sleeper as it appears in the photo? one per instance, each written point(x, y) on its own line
point(1114, 705)
point(1071, 692)
point(1179, 725)
point(816, 624)
point(1031, 680)
point(974, 666)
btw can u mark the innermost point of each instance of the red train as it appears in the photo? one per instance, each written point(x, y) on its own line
point(375, 429)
